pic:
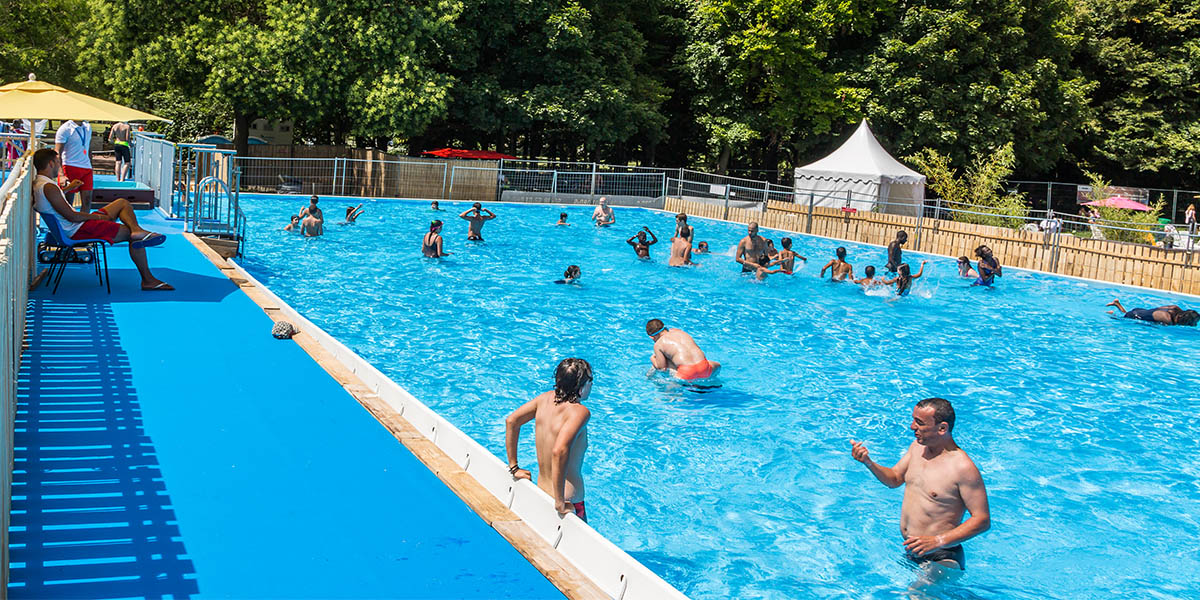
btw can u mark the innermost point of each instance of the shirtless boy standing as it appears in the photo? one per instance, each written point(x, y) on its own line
point(840, 270)
point(786, 258)
point(941, 485)
point(475, 220)
point(677, 352)
point(560, 435)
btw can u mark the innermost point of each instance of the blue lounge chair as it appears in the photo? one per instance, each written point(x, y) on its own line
point(66, 247)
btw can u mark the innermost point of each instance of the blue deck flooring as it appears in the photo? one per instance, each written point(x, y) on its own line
point(168, 446)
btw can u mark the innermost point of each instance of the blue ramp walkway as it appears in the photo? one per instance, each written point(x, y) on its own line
point(168, 446)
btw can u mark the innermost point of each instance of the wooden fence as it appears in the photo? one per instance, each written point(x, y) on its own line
point(1064, 254)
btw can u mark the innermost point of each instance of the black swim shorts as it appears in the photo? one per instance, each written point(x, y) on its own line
point(954, 553)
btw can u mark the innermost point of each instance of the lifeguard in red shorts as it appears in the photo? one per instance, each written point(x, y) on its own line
point(677, 353)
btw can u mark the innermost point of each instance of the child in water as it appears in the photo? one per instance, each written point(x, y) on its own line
point(702, 248)
point(964, 268)
point(786, 258)
point(869, 281)
point(571, 275)
point(562, 219)
point(840, 270)
point(904, 278)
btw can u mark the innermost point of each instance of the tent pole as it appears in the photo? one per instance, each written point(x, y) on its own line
point(811, 197)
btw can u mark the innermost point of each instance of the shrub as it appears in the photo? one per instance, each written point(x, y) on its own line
point(979, 190)
point(1135, 225)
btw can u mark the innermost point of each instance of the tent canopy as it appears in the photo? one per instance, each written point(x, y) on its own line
point(861, 174)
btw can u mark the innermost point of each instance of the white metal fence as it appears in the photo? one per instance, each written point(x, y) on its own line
point(16, 267)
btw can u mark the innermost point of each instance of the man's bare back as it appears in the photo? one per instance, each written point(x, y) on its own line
point(681, 252)
point(548, 426)
point(676, 351)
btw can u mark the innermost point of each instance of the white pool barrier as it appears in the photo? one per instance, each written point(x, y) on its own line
point(612, 569)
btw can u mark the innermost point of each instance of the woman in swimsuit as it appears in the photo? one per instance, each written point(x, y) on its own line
point(989, 267)
point(904, 278)
point(431, 244)
point(1167, 315)
point(964, 268)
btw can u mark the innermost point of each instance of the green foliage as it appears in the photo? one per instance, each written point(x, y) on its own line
point(979, 192)
point(40, 37)
point(1126, 225)
point(965, 76)
point(1147, 110)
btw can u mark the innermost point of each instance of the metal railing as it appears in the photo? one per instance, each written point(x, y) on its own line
point(154, 166)
point(16, 269)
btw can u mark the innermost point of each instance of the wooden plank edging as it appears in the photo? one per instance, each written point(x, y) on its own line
point(560, 572)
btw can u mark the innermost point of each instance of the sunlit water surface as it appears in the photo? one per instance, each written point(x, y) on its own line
point(1083, 425)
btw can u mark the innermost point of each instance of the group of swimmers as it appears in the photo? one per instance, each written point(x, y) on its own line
point(310, 221)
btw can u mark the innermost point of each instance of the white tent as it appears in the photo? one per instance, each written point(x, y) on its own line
point(861, 175)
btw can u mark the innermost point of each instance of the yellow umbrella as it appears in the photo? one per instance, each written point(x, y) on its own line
point(40, 100)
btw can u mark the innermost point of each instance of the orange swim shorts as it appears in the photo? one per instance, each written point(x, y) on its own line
point(700, 370)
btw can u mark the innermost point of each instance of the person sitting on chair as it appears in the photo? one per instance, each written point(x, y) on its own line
point(99, 225)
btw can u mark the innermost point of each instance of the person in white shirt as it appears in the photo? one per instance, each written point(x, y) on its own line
point(103, 224)
point(73, 142)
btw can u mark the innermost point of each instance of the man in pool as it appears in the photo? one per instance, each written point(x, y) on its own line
point(604, 215)
point(681, 252)
point(1167, 315)
point(312, 209)
point(941, 485)
point(752, 250)
point(475, 220)
point(640, 244)
point(560, 436)
point(893, 250)
point(677, 353)
point(431, 244)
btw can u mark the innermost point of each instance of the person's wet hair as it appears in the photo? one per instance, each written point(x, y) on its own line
point(902, 236)
point(569, 378)
point(434, 225)
point(787, 243)
point(572, 272)
point(477, 206)
point(963, 259)
point(982, 251)
point(870, 272)
point(841, 253)
point(314, 199)
point(681, 217)
point(654, 326)
point(562, 216)
point(942, 411)
point(1188, 317)
point(43, 157)
point(703, 244)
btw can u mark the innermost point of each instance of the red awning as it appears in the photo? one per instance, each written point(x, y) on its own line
point(460, 153)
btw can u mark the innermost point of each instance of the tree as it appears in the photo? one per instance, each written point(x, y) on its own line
point(965, 76)
point(357, 63)
point(40, 37)
point(765, 72)
point(978, 195)
point(1148, 110)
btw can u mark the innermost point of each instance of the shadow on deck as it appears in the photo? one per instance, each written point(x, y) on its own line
point(91, 516)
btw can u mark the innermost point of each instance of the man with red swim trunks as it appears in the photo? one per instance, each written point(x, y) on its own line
point(675, 351)
point(73, 142)
point(560, 436)
point(49, 200)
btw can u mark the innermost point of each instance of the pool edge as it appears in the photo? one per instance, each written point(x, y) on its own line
point(575, 558)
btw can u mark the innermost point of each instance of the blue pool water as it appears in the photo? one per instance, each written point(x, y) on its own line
point(1082, 425)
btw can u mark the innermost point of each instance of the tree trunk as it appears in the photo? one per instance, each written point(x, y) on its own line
point(723, 159)
point(241, 132)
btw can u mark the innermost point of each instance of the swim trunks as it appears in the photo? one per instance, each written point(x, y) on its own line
point(80, 173)
point(701, 370)
point(97, 230)
point(1141, 314)
point(121, 151)
point(954, 553)
point(980, 281)
point(580, 511)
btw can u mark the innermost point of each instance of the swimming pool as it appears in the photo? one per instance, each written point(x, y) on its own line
point(1082, 425)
